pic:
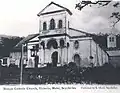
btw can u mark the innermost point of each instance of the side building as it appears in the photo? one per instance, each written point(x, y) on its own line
point(113, 49)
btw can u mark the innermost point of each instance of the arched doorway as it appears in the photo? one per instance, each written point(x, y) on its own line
point(77, 59)
point(36, 59)
point(54, 58)
point(52, 43)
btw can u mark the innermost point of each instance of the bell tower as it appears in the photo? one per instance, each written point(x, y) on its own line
point(53, 34)
point(53, 19)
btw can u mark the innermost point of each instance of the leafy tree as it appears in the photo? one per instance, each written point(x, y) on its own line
point(7, 45)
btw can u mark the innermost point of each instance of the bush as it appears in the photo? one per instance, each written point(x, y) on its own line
point(108, 65)
point(24, 65)
point(49, 64)
point(13, 66)
point(105, 74)
point(72, 65)
point(65, 66)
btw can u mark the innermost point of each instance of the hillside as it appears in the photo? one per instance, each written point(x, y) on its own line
point(7, 43)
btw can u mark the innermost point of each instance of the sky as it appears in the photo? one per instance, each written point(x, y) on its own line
point(19, 17)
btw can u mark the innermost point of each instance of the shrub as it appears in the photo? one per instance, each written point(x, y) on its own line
point(72, 65)
point(65, 66)
point(49, 64)
point(13, 66)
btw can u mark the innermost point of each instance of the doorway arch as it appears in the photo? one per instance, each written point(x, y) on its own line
point(77, 59)
point(52, 43)
point(54, 58)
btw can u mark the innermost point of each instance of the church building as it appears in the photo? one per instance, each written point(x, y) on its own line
point(60, 44)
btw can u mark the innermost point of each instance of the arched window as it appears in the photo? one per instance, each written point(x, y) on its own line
point(44, 26)
point(60, 24)
point(68, 24)
point(43, 44)
point(77, 59)
point(112, 39)
point(52, 24)
point(62, 43)
point(76, 44)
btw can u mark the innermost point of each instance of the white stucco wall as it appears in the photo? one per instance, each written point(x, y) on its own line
point(47, 18)
point(15, 57)
point(84, 51)
point(100, 56)
point(45, 55)
point(31, 62)
point(64, 16)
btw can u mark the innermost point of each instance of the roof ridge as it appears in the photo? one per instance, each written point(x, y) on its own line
point(80, 31)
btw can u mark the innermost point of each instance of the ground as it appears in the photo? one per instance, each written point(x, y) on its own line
point(67, 74)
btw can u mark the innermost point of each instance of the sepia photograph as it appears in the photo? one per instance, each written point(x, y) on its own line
point(61, 42)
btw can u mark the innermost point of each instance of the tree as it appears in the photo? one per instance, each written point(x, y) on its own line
point(7, 44)
point(101, 3)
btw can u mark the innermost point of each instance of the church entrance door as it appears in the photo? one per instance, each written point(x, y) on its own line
point(54, 58)
point(77, 59)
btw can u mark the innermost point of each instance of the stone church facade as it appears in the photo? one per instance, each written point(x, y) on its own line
point(57, 43)
point(60, 44)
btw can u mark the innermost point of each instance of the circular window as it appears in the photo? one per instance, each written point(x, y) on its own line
point(76, 44)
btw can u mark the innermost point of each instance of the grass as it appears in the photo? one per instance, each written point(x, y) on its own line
point(69, 74)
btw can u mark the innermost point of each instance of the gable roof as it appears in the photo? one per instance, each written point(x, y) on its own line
point(64, 8)
point(26, 39)
point(79, 33)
